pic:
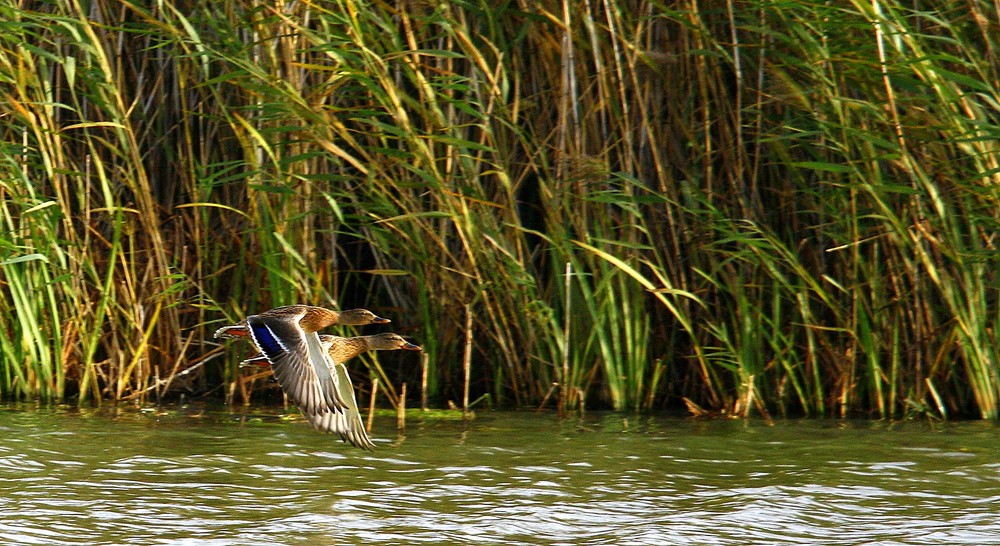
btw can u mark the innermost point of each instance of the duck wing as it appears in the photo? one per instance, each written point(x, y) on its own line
point(348, 422)
point(298, 362)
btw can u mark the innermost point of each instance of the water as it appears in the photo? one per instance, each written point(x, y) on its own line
point(206, 477)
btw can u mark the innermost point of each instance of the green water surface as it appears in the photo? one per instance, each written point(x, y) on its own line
point(196, 475)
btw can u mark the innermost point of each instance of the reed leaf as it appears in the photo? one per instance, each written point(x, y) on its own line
point(763, 206)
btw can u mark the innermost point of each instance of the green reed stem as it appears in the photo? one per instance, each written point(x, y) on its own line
point(771, 205)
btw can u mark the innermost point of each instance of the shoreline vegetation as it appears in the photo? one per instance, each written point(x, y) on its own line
point(777, 208)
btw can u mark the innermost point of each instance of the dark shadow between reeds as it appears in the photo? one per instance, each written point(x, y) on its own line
point(761, 208)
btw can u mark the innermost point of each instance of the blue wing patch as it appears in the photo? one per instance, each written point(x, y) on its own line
point(265, 339)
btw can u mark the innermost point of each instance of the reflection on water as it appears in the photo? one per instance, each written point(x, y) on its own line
point(128, 477)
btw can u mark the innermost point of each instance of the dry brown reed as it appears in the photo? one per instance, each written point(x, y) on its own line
point(765, 206)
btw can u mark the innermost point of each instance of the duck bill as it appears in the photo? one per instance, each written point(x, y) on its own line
point(412, 347)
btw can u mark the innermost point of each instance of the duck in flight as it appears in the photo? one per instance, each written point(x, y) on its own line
point(311, 318)
point(346, 421)
point(309, 367)
point(342, 349)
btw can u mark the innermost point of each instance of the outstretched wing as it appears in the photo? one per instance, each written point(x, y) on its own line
point(298, 363)
point(348, 422)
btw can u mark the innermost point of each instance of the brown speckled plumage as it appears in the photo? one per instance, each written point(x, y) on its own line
point(342, 349)
point(344, 420)
point(311, 319)
point(301, 362)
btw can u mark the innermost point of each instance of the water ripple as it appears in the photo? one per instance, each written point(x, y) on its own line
point(65, 479)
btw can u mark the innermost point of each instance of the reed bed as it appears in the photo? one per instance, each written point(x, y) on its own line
point(758, 207)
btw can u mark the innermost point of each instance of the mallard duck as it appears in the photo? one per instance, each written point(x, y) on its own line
point(346, 420)
point(342, 349)
point(311, 318)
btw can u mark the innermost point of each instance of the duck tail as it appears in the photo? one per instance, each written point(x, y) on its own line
point(232, 331)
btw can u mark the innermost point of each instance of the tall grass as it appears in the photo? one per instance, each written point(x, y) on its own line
point(756, 207)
